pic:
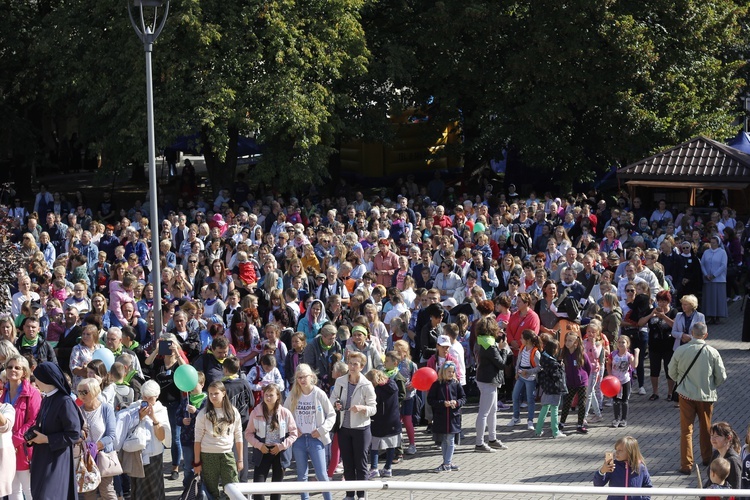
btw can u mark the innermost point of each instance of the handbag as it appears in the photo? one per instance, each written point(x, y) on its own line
point(137, 439)
point(108, 463)
point(88, 476)
point(194, 490)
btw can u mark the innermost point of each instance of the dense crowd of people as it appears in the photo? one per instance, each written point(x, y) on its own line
point(306, 321)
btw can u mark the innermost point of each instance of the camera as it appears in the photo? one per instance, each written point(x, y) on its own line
point(30, 434)
point(503, 337)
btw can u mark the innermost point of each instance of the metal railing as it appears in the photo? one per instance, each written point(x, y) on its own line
point(243, 491)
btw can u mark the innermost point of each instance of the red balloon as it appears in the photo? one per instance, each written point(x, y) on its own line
point(423, 378)
point(611, 386)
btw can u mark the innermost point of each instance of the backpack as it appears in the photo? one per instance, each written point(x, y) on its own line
point(123, 399)
point(257, 395)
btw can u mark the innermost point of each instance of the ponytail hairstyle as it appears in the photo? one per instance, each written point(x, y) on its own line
point(226, 407)
point(529, 335)
point(725, 430)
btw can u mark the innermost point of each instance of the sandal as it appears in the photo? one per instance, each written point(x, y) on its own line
point(653, 397)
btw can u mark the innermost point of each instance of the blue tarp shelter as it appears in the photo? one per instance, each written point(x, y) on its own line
point(741, 142)
point(191, 144)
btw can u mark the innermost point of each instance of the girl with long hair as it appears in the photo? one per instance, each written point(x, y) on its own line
point(244, 336)
point(218, 429)
point(271, 431)
point(577, 372)
point(624, 468)
point(315, 417)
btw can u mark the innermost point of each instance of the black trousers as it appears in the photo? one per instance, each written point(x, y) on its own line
point(355, 446)
point(260, 474)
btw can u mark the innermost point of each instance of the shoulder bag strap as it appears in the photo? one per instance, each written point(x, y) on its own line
point(689, 367)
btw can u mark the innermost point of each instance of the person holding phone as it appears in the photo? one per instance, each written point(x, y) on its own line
point(153, 415)
point(625, 468)
point(162, 368)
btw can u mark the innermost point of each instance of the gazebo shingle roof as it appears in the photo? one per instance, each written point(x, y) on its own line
point(698, 160)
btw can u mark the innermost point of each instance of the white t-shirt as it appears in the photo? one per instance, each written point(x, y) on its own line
point(304, 414)
point(458, 351)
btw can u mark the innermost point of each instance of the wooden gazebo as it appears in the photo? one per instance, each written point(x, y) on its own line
point(685, 175)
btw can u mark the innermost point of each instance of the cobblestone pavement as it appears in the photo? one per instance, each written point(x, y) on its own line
point(573, 460)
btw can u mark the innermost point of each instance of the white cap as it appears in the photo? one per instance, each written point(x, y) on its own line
point(444, 341)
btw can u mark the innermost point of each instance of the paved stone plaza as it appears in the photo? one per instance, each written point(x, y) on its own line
point(573, 460)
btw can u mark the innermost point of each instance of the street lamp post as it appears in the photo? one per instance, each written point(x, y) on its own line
point(148, 34)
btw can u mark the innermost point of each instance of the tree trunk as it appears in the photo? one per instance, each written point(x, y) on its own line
point(220, 173)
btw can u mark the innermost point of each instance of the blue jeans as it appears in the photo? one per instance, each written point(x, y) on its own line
point(188, 457)
point(172, 410)
point(390, 454)
point(529, 386)
point(307, 446)
point(448, 445)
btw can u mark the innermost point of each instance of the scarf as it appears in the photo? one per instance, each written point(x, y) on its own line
point(392, 372)
point(197, 399)
point(29, 343)
point(129, 377)
point(324, 346)
point(486, 341)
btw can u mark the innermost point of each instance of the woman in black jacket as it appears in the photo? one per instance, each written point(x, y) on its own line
point(491, 354)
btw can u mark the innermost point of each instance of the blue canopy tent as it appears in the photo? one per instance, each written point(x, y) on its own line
point(191, 144)
point(741, 142)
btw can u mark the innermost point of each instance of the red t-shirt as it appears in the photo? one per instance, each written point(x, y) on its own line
point(517, 324)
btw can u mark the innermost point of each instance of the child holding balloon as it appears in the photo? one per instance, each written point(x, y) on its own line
point(218, 429)
point(596, 350)
point(446, 397)
point(407, 368)
point(621, 364)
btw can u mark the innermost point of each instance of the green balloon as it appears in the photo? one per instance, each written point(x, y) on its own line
point(185, 378)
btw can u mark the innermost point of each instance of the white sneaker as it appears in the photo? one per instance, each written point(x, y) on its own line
point(736, 298)
point(595, 419)
point(560, 435)
point(514, 421)
point(373, 474)
point(615, 423)
point(524, 405)
point(530, 425)
point(411, 449)
point(642, 391)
